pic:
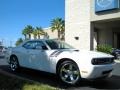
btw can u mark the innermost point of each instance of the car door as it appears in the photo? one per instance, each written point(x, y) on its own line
point(38, 56)
point(24, 54)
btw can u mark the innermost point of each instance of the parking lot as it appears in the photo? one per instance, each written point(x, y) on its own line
point(112, 83)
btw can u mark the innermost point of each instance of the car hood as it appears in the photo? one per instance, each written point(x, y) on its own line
point(95, 54)
point(81, 53)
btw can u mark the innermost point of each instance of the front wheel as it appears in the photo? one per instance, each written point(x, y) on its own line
point(69, 72)
point(14, 65)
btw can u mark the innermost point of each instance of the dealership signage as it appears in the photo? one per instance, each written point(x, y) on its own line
point(105, 5)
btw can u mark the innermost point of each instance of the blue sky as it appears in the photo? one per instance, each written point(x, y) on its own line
point(16, 14)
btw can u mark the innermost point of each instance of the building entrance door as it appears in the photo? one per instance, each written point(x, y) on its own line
point(117, 40)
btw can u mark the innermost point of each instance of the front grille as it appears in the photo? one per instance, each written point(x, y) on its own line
point(107, 72)
point(101, 61)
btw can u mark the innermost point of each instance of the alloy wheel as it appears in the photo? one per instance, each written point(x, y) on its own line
point(13, 63)
point(69, 73)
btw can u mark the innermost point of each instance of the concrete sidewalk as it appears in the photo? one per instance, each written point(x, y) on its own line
point(3, 61)
point(117, 61)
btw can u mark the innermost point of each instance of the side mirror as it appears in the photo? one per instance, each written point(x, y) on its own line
point(38, 47)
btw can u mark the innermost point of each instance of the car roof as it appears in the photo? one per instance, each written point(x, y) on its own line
point(40, 40)
point(36, 40)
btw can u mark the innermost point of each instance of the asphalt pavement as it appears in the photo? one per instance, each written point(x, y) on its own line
point(112, 83)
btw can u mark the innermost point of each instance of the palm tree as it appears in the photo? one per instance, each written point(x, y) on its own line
point(46, 35)
point(24, 32)
point(35, 33)
point(39, 31)
point(29, 29)
point(19, 41)
point(63, 30)
point(59, 25)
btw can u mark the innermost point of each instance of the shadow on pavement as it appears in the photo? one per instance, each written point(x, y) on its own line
point(52, 80)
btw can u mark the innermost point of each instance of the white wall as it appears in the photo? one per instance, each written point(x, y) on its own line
point(77, 23)
point(52, 35)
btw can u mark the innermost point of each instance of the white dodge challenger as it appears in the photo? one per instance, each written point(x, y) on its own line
point(60, 58)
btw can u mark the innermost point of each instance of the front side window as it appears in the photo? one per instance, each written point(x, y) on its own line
point(40, 43)
point(29, 45)
point(34, 44)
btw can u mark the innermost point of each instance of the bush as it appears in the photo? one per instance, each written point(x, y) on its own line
point(104, 48)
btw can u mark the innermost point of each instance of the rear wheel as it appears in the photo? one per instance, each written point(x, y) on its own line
point(14, 65)
point(69, 72)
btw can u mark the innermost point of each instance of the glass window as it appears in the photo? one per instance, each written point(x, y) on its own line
point(54, 44)
point(40, 43)
point(29, 45)
point(34, 44)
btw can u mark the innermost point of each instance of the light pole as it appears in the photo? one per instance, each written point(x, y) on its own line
point(10, 43)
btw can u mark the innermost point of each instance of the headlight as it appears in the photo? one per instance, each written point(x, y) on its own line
point(101, 61)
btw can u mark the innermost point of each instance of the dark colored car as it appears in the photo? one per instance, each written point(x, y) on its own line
point(116, 53)
point(2, 51)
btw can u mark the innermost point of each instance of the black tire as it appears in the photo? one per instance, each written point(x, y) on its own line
point(69, 72)
point(14, 65)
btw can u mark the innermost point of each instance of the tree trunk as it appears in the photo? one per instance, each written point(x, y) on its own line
point(38, 36)
point(63, 36)
point(25, 37)
point(59, 34)
point(35, 37)
point(29, 36)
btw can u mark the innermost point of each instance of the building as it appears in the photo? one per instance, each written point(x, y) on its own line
point(48, 34)
point(92, 22)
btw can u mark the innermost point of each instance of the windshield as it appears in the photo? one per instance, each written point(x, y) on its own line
point(54, 44)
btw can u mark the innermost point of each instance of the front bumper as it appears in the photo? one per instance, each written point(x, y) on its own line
point(98, 71)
